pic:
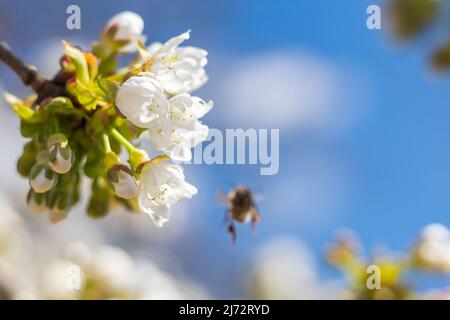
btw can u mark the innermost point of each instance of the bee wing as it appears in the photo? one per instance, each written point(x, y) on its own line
point(258, 197)
point(256, 217)
point(222, 197)
point(226, 217)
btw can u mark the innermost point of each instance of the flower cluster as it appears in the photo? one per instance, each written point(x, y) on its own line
point(430, 253)
point(104, 110)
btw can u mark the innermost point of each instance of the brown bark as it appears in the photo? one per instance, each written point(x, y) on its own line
point(44, 88)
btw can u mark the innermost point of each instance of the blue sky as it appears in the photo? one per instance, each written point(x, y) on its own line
point(393, 162)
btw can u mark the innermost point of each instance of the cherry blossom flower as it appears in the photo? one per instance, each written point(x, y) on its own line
point(183, 130)
point(141, 100)
point(162, 184)
point(179, 69)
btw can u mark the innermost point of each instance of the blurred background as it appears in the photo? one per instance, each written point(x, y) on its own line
point(364, 144)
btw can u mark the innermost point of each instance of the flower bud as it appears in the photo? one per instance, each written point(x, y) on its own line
point(125, 28)
point(56, 216)
point(59, 203)
point(100, 202)
point(36, 201)
point(122, 181)
point(42, 179)
point(60, 155)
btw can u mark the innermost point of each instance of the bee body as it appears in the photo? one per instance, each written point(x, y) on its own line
point(242, 209)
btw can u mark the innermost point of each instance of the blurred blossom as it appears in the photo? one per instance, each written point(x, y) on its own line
point(15, 255)
point(13, 284)
point(156, 283)
point(344, 248)
point(284, 269)
point(42, 267)
point(106, 273)
point(432, 251)
point(14, 238)
point(111, 273)
point(290, 90)
point(137, 226)
point(54, 280)
point(437, 294)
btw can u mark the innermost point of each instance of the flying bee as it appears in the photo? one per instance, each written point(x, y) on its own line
point(241, 209)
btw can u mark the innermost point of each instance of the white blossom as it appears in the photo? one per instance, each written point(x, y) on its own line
point(142, 101)
point(182, 130)
point(179, 69)
point(432, 252)
point(162, 184)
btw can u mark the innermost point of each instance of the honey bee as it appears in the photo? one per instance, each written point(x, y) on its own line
point(241, 209)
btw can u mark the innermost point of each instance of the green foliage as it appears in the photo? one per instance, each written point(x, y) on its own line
point(413, 18)
point(382, 276)
point(410, 17)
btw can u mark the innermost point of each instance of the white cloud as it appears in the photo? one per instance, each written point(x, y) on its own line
point(284, 268)
point(288, 90)
point(309, 191)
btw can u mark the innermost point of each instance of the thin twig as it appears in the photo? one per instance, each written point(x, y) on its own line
point(44, 88)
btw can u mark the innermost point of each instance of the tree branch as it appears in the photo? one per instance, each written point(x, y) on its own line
point(44, 88)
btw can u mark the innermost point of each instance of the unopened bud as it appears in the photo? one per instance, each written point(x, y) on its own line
point(122, 181)
point(36, 201)
point(42, 179)
point(125, 26)
point(56, 216)
point(60, 155)
point(100, 202)
point(58, 202)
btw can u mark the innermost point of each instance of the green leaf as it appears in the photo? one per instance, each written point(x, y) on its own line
point(29, 130)
point(63, 106)
point(27, 159)
point(86, 94)
point(107, 66)
point(94, 165)
point(411, 17)
point(110, 89)
point(99, 204)
point(19, 107)
point(79, 60)
point(98, 122)
point(441, 58)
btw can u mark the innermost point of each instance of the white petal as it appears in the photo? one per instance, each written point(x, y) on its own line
point(141, 100)
point(172, 43)
point(129, 24)
point(200, 108)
